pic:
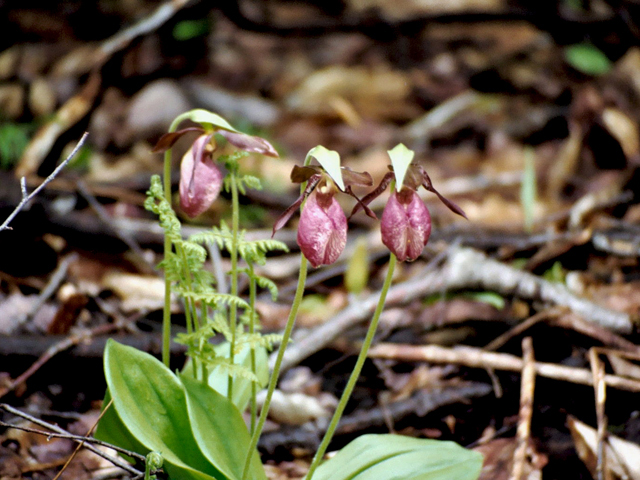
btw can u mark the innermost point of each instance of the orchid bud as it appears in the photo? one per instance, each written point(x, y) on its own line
point(405, 224)
point(322, 232)
point(200, 178)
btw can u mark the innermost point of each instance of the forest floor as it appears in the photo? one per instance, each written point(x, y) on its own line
point(526, 116)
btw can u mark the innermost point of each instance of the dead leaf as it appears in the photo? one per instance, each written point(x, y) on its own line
point(621, 456)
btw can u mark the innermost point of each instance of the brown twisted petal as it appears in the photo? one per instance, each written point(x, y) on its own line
point(249, 143)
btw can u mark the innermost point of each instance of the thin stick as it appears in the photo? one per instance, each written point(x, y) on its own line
point(600, 391)
point(477, 358)
point(53, 350)
point(527, 388)
point(77, 438)
point(23, 185)
point(464, 268)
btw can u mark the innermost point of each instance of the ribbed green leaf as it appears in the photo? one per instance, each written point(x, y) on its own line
point(395, 457)
point(151, 404)
point(220, 431)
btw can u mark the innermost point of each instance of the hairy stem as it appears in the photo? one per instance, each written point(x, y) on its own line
point(346, 394)
point(166, 311)
point(233, 309)
point(273, 381)
point(252, 329)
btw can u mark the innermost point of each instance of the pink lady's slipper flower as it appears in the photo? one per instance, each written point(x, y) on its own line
point(406, 222)
point(322, 231)
point(200, 176)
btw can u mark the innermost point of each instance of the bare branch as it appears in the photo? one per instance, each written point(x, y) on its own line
point(59, 432)
point(23, 185)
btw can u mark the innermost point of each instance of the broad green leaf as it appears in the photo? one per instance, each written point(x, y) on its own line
point(395, 457)
point(220, 431)
point(587, 59)
point(208, 120)
point(111, 429)
point(330, 161)
point(151, 404)
point(401, 157)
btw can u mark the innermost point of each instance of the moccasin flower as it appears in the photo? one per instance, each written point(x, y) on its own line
point(322, 231)
point(200, 176)
point(405, 226)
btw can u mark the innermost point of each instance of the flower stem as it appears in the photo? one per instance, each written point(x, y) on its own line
point(166, 311)
point(293, 313)
point(356, 371)
point(252, 329)
point(233, 309)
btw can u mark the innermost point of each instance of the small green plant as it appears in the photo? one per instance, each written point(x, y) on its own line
point(14, 138)
point(192, 418)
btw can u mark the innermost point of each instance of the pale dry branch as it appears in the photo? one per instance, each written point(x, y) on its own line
point(600, 390)
point(26, 198)
point(527, 388)
point(88, 441)
point(478, 358)
point(464, 268)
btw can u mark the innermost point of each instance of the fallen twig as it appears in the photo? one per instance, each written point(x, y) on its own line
point(477, 358)
point(61, 433)
point(23, 185)
point(464, 268)
point(527, 388)
point(53, 350)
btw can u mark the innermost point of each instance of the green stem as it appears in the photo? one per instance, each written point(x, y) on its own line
point(191, 316)
point(252, 329)
point(233, 310)
point(356, 371)
point(273, 381)
point(166, 311)
point(203, 365)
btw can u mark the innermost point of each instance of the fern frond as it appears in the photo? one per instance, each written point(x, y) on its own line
point(213, 299)
point(267, 284)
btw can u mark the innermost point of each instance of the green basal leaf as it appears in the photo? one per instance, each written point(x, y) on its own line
point(490, 298)
point(220, 431)
point(208, 120)
point(395, 457)
point(111, 429)
point(330, 161)
point(219, 378)
point(151, 404)
point(401, 157)
point(587, 59)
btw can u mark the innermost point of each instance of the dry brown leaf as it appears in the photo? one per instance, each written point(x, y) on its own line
point(622, 128)
point(138, 292)
point(66, 116)
point(621, 456)
point(623, 367)
point(373, 92)
point(498, 460)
